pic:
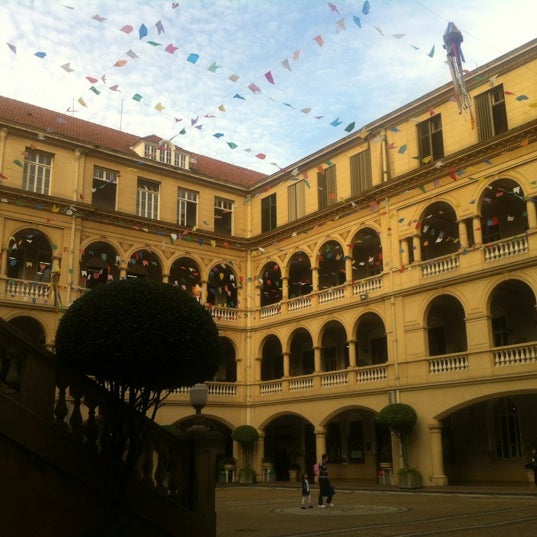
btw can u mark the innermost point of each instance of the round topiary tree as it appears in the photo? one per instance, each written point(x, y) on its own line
point(139, 340)
point(400, 419)
point(136, 334)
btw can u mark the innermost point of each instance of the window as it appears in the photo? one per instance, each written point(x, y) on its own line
point(327, 187)
point(181, 160)
point(223, 212)
point(150, 151)
point(187, 207)
point(268, 213)
point(431, 143)
point(296, 196)
point(104, 188)
point(491, 113)
point(361, 176)
point(165, 153)
point(147, 199)
point(37, 171)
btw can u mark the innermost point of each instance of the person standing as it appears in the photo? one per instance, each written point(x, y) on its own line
point(325, 487)
point(306, 493)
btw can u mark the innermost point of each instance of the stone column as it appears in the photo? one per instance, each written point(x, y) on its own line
point(416, 246)
point(532, 214)
point(317, 359)
point(320, 442)
point(285, 288)
point(478, 232)
point(286, 364)
point(348, 269)
point(404, 254)
point(257, 369)
point(463, 234)
point(437, 475)
point(352, 353)
point(315, 279)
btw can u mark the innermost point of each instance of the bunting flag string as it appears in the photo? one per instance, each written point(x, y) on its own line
point(171, 48)
point(258, 87)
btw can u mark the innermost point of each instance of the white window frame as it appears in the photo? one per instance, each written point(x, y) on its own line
point(187, 199)
point(181, 160)
point(37, 172)
point(150, 151)
point(147, 198)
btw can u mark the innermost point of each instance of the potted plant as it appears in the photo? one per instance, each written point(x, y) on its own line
point(400, 420)
point(294, 471)
point(294, 467)
point(246, 435)
point(229, 462)
point(268, 462)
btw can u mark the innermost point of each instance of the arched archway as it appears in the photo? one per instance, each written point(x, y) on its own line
point(299, 270)
point(222, 286)
point(446, 326)
point(29, 256)
point(272, 359)
point(227, 366)
point(144, 264)
point(301, 360)
point(99, 264)
point(371, 341)
point(503, 211)
point(439, 231)
point(366, 254)
point(271, 286)
point(513, 313)
point(185, 273)
point(331, 265)
point(30, 327)
point(334, 348)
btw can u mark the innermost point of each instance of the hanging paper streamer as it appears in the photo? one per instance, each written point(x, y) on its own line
point(452, 43)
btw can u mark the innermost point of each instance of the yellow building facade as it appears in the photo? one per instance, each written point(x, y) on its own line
point(396, 265)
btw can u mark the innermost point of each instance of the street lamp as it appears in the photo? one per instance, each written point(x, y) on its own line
point(198, 396)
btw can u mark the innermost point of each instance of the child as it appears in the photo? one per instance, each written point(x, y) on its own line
point(306, 493)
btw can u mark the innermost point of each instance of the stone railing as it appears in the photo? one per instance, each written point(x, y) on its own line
point(372, 373)
point(27, 291)
point(522, 354)
point(367, 285)
point(299, 303)
point(60, 417)
point(300, 384)
point(273, 310)
point(334, 378)
point(327, 296)
point(506, 248)
point(439, 266)
point(448, 363)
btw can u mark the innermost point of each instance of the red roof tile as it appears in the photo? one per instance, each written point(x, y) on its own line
point(43, 121)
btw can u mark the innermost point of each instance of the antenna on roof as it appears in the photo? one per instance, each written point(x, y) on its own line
point(121, 116)
point(72, 110)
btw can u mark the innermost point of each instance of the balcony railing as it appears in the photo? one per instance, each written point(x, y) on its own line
point(522, 354)
point(439, 266)
point(506, 248)
point(26, 291)
point(448, 363)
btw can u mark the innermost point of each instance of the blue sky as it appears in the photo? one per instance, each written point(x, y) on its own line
point(258, 83)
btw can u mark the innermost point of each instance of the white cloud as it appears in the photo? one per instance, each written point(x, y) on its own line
point(357, 75)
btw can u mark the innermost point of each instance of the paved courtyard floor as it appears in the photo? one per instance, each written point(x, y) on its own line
point(274, 511)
